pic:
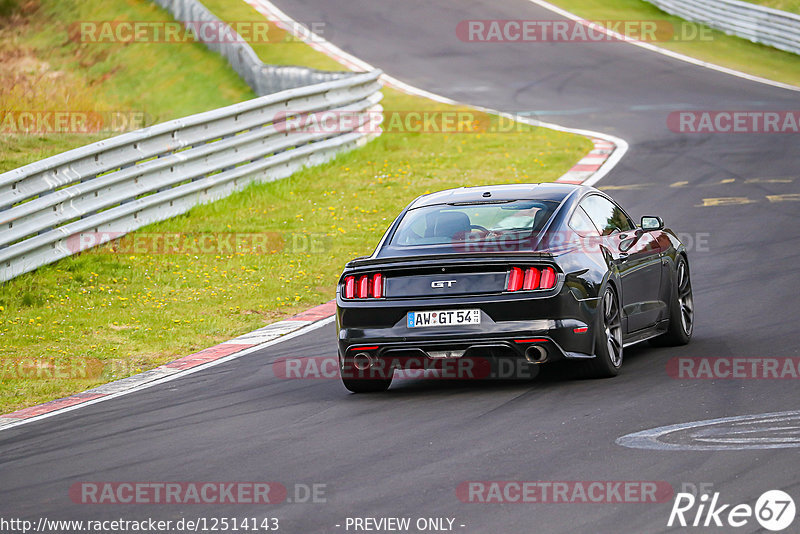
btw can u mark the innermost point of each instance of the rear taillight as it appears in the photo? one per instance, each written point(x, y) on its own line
point(531, 278)
point(350, 287)
point(515, 279)
point(363, 287)
point(377, 286)
point(548, 278)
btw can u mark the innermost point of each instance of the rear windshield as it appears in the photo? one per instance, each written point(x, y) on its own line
point(479, 222)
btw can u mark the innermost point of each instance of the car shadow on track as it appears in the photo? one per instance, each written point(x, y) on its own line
point(550, 375)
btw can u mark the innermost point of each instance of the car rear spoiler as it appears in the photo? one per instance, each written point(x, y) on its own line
point(454, 258)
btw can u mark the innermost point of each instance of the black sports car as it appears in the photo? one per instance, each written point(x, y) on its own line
point(529, 272)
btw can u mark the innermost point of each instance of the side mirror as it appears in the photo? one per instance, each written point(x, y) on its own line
point(651, 222)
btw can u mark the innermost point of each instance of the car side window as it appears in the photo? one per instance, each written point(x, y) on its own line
point(582, 224)
point(607, 216)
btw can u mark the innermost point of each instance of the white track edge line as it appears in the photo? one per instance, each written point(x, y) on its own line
point(334, 51)
point(323, 45)
point(649, 439)
point(296, 333)
point(663, 51)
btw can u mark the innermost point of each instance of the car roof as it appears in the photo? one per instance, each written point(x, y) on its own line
point(538, 191)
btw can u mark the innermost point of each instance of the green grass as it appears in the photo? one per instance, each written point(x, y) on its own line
point(792, 6)
point(133, 311)
point(46, 67)
point(714, 47)
point(281, 48)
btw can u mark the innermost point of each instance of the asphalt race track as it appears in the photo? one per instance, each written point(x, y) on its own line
point(404, 453)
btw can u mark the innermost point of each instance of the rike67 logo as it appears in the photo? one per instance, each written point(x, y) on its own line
point(774, 510)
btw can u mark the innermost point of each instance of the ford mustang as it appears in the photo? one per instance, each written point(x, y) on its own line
point(531, 273)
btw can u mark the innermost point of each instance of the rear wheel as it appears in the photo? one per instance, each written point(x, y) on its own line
point(608, 339)
point(681, 309)
point(358, 379)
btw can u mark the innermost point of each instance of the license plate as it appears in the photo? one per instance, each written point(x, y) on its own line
point(443, 318)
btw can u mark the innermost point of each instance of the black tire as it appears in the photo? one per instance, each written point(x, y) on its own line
point(681, 309)
point(608, 338)
point(373, 380)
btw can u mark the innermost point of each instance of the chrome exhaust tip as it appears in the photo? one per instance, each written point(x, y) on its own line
point(362, 361)
point(536, 354)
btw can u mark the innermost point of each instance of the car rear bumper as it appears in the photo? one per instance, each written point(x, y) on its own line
point(542, 339)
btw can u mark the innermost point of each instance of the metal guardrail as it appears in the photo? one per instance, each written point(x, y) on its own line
point(262, 78)
point(759, 24)
point(120, 184)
